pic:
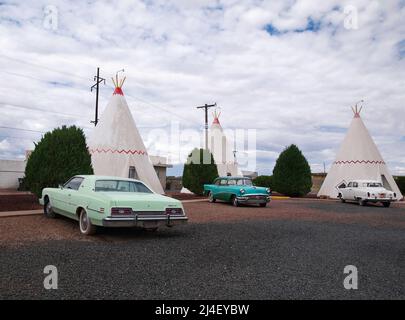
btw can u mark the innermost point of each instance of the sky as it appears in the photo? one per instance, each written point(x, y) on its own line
point(288, 70)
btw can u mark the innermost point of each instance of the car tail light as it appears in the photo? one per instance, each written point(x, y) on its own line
point(121, 211)
point(174, 211)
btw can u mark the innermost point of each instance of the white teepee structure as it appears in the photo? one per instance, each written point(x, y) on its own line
point(222, 150)
point(116, 146)
point(358, 158)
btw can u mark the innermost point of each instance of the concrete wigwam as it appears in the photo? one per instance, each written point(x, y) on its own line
point(358, 159)
point(116, 146)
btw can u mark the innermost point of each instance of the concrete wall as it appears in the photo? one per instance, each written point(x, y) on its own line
point(161, 173)
point(10, 171)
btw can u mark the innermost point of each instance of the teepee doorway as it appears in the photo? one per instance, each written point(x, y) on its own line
point(132, 174)
point(385, 183)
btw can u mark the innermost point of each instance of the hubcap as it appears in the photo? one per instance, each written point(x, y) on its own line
point(84, 221)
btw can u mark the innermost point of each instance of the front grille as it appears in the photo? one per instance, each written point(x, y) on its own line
point(257, 197)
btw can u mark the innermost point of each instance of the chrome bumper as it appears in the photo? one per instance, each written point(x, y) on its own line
point(144, 221)
point(251, 199)
point(380, 199)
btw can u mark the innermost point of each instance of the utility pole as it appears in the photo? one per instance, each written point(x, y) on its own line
point(96, 85)
point(206, 107)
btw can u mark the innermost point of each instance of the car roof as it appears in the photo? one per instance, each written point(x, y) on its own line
point(233, 177)
point(368, 181)
point(96, 177)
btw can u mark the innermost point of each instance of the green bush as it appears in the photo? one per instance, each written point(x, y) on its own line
point(401, 184)
point(292, 174)
point(59, 155)
point(199, 169)
point(264, 181)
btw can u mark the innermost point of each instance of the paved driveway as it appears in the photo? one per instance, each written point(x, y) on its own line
point(294, 249)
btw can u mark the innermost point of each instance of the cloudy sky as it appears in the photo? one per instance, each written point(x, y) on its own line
point(288, 69)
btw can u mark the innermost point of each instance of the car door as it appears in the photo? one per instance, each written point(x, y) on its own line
point(60, 199)
point(355, 190)
point(347, 192)
point(230, 189)
point(222, 187)
point(69, 195)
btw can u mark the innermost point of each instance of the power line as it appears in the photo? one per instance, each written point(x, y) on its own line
point(13, 105)
point(43, 67)
point(84, 78)
point(17, 138)
point(20, 129)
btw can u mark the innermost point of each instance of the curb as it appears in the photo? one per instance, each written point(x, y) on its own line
point(7, 214)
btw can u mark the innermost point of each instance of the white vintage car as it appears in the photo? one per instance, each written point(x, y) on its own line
point(363, 191)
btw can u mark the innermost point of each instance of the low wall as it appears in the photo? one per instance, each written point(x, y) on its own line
point(10, 172)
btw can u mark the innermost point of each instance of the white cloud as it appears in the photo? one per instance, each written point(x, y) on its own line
point(181, 54)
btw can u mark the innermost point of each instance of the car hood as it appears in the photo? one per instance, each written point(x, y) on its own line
point(253, 189)
point(141, 201)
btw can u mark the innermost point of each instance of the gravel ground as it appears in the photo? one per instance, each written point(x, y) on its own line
point(294, 249)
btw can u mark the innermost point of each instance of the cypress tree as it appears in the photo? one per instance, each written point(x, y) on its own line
point(292, 174)
point(199, 169)
point(59, 155)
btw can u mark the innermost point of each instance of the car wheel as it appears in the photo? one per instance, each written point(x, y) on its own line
point(263, 205)
point(211, 198)
point(342, 200)
point(235, 201)
point(362, 202)
point(386, 204)
point(48, 210)
point(86, 227)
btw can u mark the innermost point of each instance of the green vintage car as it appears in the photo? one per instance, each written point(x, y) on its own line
point(237, 190)
point(97, 201)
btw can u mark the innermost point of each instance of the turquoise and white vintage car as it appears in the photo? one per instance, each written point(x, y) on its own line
point(237, 190)
point(111, 202)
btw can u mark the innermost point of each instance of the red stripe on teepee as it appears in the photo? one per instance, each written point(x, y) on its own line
point(359, 162)
point(119, 91)
point(140, 152)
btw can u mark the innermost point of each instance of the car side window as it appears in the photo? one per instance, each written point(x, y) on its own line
point(349, 185)
point(74, 183)
point(231, 182)
point(217, 182)
point(355, 185)
point(223, 182)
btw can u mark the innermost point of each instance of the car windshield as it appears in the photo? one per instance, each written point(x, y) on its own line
point(120, 186)
point(244, 182)
point(374, 185)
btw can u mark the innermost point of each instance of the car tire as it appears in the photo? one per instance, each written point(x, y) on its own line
point(263, 205)
point(211, 198)
point(235, 201)
point(362, 202)
point(386, 204)
point(342, 200)
point(48, 210)
point(85, 225)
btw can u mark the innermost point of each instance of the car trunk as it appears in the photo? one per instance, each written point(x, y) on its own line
point(141, 201)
